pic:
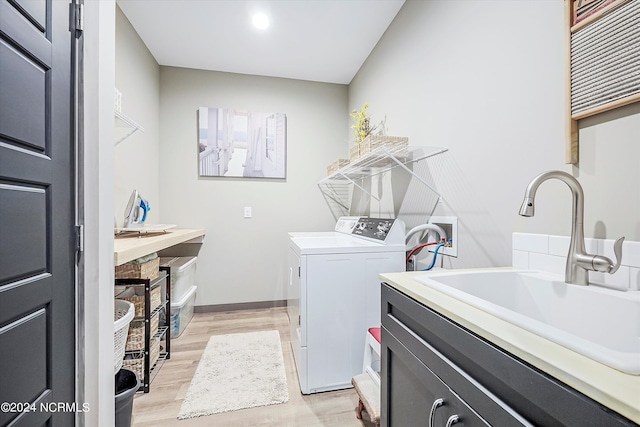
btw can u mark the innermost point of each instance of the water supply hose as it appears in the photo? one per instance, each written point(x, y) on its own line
point(419, 248)
point(423, 227)
point(435, 254)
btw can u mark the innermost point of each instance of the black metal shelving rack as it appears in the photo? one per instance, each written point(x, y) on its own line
point(149, 372)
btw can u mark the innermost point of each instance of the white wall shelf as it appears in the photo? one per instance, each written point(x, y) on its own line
point(125, 127)
point(338, 187)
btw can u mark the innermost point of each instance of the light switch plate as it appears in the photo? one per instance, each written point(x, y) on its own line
point(247, 211)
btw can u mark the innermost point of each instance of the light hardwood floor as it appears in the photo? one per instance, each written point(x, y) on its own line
point(161, 405)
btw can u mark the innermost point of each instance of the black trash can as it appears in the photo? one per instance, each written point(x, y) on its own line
point(127, 383)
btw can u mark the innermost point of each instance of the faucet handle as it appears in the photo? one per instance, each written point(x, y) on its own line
point(617, 250)
point(602, 263)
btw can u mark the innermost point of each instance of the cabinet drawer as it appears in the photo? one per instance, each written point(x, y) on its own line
point(420, 398)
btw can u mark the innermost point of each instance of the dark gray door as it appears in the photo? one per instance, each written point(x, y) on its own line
point(37, 278)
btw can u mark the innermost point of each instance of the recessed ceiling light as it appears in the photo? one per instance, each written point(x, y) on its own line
point(260, 21)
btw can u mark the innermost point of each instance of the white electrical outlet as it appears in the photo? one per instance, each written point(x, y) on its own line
point(247, 211)
point(450, 226)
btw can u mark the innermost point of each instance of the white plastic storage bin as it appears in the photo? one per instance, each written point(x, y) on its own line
point(183, 274)
point(182, 312)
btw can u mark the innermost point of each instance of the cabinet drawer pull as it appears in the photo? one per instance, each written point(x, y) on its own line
point(436, 403)
point(452, 420)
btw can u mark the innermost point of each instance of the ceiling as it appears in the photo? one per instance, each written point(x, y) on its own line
point(316, 40)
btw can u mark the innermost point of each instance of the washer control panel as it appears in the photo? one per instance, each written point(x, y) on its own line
point(377, 229)
point(346, 224)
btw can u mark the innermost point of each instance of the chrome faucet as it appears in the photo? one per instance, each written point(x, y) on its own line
point(579, 262)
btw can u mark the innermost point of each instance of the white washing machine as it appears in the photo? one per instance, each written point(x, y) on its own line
point(334, 296)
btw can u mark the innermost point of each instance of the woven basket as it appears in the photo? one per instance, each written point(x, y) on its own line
point(136, 361)
point(132, 270)
point(155, 353)
point(136, 365)
point(354, 152)
point(137, 300)
point(372, 142)
point(337, 164)
point(135, 341)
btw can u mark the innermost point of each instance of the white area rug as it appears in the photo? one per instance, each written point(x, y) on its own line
point(237, 371)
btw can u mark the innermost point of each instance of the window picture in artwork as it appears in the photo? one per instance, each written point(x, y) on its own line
point(241, 143)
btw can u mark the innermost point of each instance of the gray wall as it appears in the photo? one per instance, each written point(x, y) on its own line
point(137, 158)
point(243, 260)
point(486, 80)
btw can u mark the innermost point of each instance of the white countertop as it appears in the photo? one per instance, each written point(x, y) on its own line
point(612, 388)
point(133, 246)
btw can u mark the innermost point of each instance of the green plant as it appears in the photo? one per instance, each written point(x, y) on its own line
point(362, 127)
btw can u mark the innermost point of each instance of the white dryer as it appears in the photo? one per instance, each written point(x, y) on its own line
point(334, 296)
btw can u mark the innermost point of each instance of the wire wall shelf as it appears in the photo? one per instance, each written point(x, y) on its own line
point(339, 187)
point(125, 127)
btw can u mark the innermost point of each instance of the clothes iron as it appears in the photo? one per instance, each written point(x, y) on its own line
point(136, 212)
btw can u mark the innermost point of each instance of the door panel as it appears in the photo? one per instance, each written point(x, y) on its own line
point(24, 85)
point(37, 268)
point(34, 11)
point(26, 229)
point(15, 352)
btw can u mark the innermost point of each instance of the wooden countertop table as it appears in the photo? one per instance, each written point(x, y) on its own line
point(129, 247)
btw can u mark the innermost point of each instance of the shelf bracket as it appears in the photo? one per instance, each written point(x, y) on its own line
point(360, 187)
point(129, 123)
point(336, 198)
point(377, 162)
point(403, 166)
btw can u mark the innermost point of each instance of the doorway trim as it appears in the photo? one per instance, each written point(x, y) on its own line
point(96, 383)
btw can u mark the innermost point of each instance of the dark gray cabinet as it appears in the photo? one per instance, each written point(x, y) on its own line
point(419, 395)
point(435, 372)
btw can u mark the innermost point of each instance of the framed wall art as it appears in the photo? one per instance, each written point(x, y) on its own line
point(242, 144)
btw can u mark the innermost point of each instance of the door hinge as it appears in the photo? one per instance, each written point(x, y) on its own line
point(298, 271)
point(79, 238)
point(78, 16)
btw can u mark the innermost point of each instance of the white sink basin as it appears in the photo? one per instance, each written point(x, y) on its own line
point(602, 324)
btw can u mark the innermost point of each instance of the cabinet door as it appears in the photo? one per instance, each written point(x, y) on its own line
point(415, 396)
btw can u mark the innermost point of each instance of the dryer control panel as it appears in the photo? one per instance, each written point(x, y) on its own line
point(383, 230)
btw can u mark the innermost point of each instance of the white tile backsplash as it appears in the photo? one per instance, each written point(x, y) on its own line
point(549, 263)
point(520, 259)
point(549, 253)
point(605, 247)
point(558, 245)
point(618, 280)
point(531, 242)
point(631, 254)
point(634, 279)
point(591, 246)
